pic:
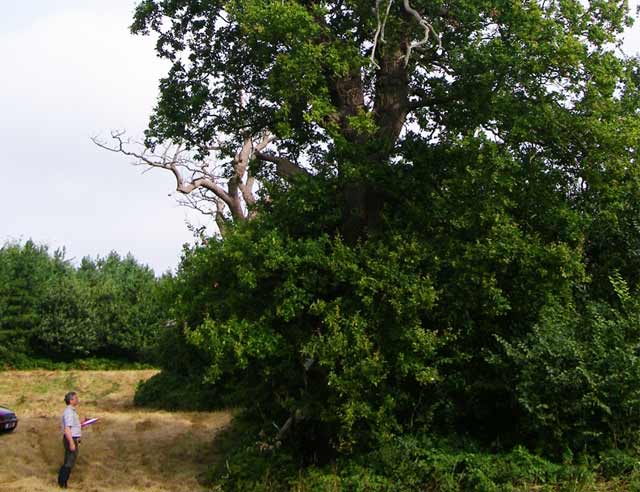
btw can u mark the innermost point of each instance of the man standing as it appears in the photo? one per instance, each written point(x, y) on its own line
point(71, 433)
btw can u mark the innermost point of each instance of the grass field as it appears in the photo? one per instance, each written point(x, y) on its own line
point(128, 450)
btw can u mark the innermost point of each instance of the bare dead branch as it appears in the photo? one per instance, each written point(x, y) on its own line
point(201, 184)
point(379, 30)
point(426, 25)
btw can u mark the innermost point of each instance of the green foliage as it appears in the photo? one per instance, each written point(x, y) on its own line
point(24, 273)
point(111, 307)
point(461, 259)
point(127, 304)
point(67, 327)
point(398, 333)
point(171, 391)
point(465, 320)
point(351, 315)
point(578, 374)
point(12, 360)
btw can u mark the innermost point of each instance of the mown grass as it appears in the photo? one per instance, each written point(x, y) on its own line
point(128, 450)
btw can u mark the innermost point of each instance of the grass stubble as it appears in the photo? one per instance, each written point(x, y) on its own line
point(127, 450)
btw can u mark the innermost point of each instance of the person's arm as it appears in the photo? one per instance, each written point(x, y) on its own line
point(67, 434)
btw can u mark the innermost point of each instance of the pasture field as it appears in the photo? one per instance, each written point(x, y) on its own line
point(128, 450)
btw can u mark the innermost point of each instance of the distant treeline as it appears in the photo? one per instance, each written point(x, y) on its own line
point(109, 307)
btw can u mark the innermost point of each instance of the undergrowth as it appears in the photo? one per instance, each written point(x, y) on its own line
point(415, 463)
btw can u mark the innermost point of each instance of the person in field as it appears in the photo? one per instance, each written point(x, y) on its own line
point(71, 434)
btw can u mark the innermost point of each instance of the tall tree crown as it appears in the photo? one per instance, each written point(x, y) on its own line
point(349, 81)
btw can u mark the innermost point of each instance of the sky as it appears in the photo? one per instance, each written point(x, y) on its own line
point(71, 70)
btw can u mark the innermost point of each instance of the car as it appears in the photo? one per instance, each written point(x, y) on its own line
point(8, 420)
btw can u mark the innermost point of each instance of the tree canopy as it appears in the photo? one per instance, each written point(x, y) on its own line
point(306, 72)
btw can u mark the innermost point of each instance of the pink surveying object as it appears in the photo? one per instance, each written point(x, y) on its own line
point(89, 421)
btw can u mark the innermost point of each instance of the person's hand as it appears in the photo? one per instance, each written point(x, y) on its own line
point(72, 446)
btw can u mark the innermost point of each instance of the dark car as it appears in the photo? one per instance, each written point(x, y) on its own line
point(8, 420)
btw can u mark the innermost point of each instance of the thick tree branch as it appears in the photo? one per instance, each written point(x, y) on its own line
point(284, 167)
point(221, 220)
point(391, 103)
point(347, 95)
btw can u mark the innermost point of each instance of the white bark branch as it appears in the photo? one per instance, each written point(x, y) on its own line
point(379, 30)
point(426, 25)
point(203, 184)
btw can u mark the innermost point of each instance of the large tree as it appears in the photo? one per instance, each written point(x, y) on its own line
point(451, 186)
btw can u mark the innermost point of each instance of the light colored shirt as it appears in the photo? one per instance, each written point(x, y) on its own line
point(70, 419)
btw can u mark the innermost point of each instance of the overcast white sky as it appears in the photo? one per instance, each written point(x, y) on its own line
point(70, 70)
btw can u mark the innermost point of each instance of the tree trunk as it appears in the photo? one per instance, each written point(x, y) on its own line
point(365, 199)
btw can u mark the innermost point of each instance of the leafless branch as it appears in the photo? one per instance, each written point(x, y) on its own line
point(379, 30)
point(224, 189)
point(426, 25)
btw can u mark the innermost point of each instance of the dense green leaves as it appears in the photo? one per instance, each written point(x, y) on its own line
point(110, 307)
point(462, 257)
point(578, 374)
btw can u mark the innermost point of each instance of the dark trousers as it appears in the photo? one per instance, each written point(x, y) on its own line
point(69, 460)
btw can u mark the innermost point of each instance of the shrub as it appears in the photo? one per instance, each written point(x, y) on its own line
point(577, 375)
